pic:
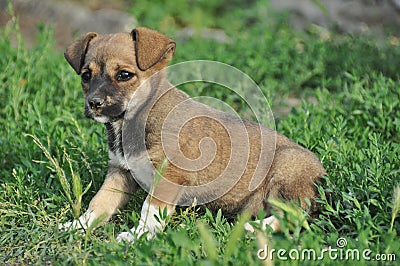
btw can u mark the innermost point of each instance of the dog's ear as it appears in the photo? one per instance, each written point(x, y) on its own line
point(75, 52)
point(151, 47)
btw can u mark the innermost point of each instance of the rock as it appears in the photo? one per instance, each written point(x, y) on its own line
point(350, 16)
point(69, 20)
point(205, 33)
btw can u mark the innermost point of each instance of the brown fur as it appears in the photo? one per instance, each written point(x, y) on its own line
point(144, 52)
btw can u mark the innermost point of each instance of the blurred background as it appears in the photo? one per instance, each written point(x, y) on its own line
point(288, 47)
point(220, 20)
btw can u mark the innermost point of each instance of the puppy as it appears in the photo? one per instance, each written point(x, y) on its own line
point(204, 154)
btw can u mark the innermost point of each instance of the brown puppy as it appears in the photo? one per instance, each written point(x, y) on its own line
point(148, 120)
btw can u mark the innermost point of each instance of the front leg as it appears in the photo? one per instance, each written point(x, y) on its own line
point(150, 221)
point(113, 195)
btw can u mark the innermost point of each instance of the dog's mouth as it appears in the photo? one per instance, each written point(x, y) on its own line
point(100, 117)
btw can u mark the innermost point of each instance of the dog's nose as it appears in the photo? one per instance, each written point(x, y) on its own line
point(96, 103)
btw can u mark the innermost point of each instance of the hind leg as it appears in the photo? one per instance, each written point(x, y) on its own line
point(294, 173)
point(292, 178)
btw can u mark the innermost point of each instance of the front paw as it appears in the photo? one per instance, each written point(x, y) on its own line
point(84, 222)
point(127, 236)
point(73, 225)
point(68, 226)
point(248, 227)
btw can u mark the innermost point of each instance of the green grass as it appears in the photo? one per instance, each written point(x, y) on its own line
point(353, 128)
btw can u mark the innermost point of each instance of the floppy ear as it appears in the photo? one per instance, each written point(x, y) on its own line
point(75, 52)
point(151, 47)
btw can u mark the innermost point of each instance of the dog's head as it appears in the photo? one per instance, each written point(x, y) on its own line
point(112, 67)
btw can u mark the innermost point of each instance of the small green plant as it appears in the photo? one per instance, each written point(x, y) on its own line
point(210, 245)
point(75, 196)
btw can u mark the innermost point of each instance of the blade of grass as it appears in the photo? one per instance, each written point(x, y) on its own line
point(208, 241)
point(55, 167)
point(236, 234)
point(74, 197)
point(396, 205)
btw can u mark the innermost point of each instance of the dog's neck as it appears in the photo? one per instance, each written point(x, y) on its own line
point(135, 122)
point(147, 114)
point(114, 136)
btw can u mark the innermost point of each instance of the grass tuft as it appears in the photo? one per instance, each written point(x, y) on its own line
point(75, 196)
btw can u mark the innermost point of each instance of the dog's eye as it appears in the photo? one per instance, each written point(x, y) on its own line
point(124, 75)
point(86, 76)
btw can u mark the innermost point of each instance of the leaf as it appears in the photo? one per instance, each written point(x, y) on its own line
point(180, 239)
point(209, 243)
point(219, 217)
point(236, 235)
point(209, 215)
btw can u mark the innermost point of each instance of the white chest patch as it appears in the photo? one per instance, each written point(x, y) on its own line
point(115, 150)
point(118, 159)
